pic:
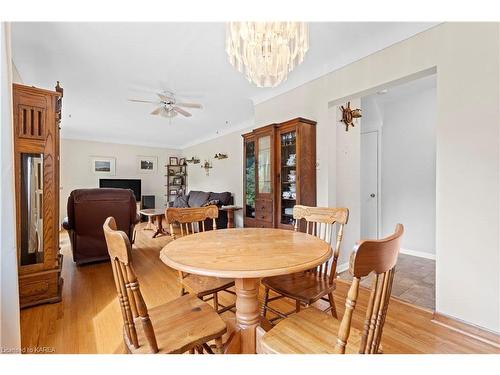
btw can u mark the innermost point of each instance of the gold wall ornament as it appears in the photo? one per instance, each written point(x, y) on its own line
point(348, 115)
point(193, 160)
point(220, 156)
point(207, 166)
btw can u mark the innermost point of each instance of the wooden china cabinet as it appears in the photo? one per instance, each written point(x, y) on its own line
point(279, 172)
point(37, 114)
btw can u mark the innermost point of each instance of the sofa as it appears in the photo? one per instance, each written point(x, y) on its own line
point(87, 211)
point(197, 198)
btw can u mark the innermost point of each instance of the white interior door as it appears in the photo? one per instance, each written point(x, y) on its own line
point(369, 185)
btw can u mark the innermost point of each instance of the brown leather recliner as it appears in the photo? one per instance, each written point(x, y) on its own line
point(87, 211)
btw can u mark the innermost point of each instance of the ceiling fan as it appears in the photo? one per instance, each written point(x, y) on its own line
point(168, 106)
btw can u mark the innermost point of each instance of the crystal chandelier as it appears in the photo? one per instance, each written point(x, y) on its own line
point(266, 51)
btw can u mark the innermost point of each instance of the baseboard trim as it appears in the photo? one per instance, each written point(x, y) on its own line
point(420, 254)
point(467, 329)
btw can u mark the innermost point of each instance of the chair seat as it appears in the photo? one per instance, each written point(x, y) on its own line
point(180, 325)
point(204, 285)
point(309, 331)
point(306, 287)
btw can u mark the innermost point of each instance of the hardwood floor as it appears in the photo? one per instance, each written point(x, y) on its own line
point(88, 320)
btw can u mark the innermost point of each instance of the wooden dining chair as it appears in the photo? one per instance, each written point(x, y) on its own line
point(319, 283)
point(183, 325)
point(314, 331)
point(192, 220)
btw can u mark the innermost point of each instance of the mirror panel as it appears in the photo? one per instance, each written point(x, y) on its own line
point(31, 209)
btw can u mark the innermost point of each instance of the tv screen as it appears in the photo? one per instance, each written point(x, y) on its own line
point(134, 185)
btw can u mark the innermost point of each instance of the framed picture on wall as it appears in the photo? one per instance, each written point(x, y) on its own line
point(173, 160)
point(103, 165)
point(182, 161)
point(147, 164)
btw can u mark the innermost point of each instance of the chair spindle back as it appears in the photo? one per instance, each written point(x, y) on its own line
point(191, 220)
point(320, 222)
point(127, 286)
point(380, 257)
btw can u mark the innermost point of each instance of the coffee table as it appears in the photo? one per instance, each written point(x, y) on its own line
point(155, 217)
point(230, 214)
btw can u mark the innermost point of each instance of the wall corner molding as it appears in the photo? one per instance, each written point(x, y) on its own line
point(420, 254)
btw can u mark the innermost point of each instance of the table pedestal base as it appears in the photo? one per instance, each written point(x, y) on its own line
point(247, 312)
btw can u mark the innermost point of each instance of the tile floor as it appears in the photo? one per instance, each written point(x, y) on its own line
point(414, 281)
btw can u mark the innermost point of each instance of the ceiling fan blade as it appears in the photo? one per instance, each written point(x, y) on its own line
point(189, 105)
point(182, 112)
point(157, 111)
point(142, 101)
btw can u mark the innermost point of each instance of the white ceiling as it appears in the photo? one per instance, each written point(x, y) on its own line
point(100, 65)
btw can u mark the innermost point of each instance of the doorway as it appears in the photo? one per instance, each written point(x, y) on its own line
point(397, 176)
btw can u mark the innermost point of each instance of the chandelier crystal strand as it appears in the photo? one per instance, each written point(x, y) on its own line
point(265, 52)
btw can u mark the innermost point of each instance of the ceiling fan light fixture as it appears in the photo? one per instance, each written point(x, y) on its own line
point(265, 52)
point(168, 107)
point(168, 112)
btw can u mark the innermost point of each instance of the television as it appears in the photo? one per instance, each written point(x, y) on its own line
point(121, 183)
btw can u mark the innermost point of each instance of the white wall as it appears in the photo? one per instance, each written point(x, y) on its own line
point(10, 334)
point(372, 113)
point(347, 181)
point(467, 151)
point(226, 174)
point(409, 169)
point(16, 77)
point(76, 172)
point(405, 119)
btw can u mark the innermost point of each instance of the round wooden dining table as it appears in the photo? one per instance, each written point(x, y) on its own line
point(246, 254)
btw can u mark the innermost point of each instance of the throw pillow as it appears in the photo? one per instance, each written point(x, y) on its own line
point(181, 201)
point(197, 198)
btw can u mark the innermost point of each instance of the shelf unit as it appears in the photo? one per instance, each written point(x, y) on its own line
point(174, 172)
point(279, 172)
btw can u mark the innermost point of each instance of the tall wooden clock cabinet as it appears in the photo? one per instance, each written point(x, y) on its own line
point(279, 172)
point(37, 114)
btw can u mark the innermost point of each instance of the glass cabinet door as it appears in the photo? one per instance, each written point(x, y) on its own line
point(264, 165)
point(288, 183)
point(31, 209)
point(250, 179)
